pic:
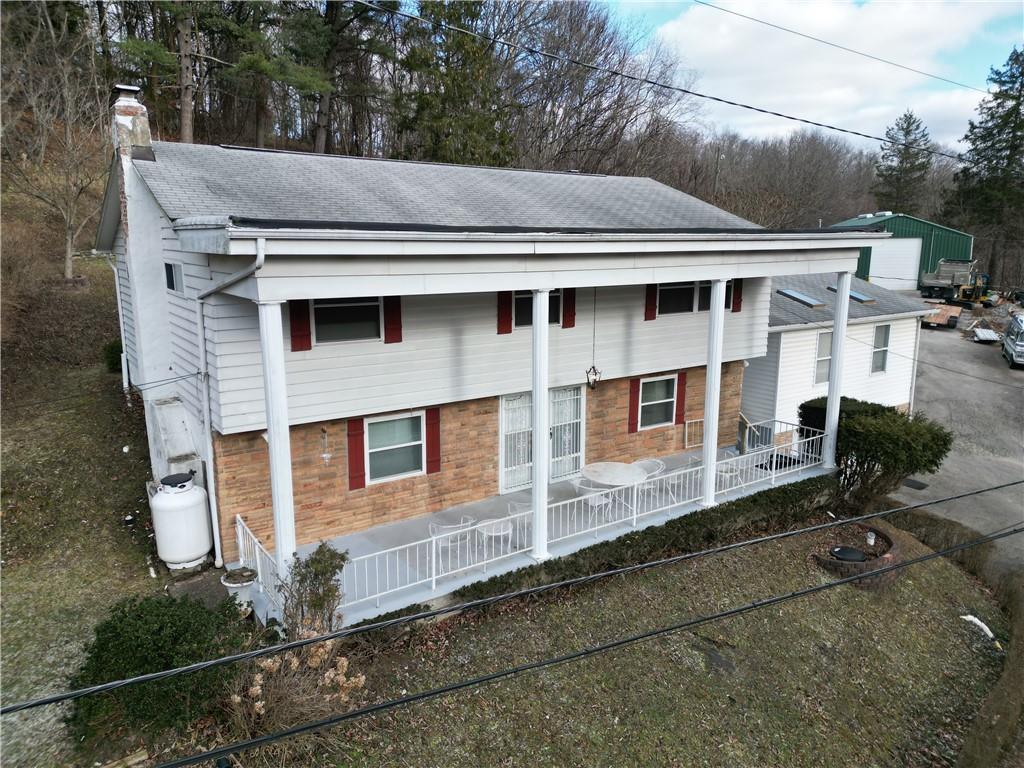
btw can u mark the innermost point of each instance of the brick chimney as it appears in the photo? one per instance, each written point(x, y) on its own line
point(130, 131)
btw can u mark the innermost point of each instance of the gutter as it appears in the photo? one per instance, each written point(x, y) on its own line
point(204, 377)
point(120, 325)
point(852, 321)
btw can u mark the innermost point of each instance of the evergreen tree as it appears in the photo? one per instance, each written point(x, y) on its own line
point(903, 170)
point(990, 186)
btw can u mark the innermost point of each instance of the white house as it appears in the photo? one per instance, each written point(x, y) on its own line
point(348, 349)
point(880, 359)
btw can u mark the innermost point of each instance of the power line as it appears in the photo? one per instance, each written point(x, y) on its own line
point(654, 83)
point(474, 604)
point(577, 655)
point(841, 47)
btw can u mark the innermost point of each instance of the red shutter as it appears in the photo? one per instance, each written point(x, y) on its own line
point(681, 398)
point(634, 404)
point(737, 294)
point(298, 319)
point(392, 319)
point(433, 419)
point(356, 461)
point(651, 302)
point(568, 307)
point(505, 312)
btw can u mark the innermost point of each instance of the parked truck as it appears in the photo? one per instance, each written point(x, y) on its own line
point(956, 282)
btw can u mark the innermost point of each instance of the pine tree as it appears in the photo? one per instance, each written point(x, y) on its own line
point(990, 186)
point(903, 168)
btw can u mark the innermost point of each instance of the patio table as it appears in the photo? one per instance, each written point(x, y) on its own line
point(613, 473)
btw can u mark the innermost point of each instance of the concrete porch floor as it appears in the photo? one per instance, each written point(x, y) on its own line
point(401, 533)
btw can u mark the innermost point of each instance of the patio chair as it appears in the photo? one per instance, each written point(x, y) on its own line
point(598, 504)
point(652, 488)
point(453, 534)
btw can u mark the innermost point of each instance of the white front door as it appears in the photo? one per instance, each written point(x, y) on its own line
point(567, 437)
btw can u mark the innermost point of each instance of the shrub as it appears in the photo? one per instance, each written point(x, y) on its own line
point(812, 412)
point(875, 453)
point(112, 355)
point(777, 508)
point(312, 593)
point(149, 635)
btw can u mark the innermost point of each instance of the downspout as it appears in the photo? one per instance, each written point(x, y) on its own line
point(913, 371)
point(204, 379)
point(120, 325)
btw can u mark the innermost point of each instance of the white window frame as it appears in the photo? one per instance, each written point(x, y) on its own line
point(697, 285)
point(888, 345)
point(367, 450)
point(177, 275)
point(817, 345)
point(674, 378)
point(552, 319)
point(380, 324)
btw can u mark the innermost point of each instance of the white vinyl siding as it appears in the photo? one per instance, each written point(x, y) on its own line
point(797, 361)
point(895, 263)
point(451, 352)
point(760, 383)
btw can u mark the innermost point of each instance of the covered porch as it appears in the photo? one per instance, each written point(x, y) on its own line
point(420, 559)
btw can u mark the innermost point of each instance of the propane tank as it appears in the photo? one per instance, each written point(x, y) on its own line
point(181, 521)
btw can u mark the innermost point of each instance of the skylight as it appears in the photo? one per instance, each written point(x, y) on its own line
point(860, 298)
point(801, 298)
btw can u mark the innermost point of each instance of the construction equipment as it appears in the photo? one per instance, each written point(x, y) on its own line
point(956, 282)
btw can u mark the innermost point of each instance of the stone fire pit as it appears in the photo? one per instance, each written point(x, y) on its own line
point(847, 542)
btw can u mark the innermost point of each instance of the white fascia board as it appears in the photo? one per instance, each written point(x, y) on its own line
point(851, 321)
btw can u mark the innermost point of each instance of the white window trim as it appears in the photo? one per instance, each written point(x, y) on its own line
point(551, 320)
point(674, 378)
point(367, 450)
point(696, 296)
point(371, 339)
point(814, 369)
point(179, 277)
point(874, 349)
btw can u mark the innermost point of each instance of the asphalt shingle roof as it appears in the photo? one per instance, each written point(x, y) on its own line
point(204, 180)
point(784, 311)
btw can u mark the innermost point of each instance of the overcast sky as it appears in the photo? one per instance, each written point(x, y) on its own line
point(745, 61)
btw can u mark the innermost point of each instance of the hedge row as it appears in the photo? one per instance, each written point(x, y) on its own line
point(783, 507)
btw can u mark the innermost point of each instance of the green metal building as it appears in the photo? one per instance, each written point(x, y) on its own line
point(937, 242)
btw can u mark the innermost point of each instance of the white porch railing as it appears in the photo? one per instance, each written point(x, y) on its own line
point(252, 554)
point(775, 450)
point(370, 577)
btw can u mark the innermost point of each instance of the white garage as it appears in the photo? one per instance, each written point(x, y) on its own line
point(895, 263)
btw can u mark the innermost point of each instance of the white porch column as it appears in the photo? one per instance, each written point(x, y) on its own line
point(713, 389)
point(541, 424)
point(275, 396)
point(835, 370)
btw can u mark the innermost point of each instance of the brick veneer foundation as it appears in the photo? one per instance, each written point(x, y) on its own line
point(325, 507)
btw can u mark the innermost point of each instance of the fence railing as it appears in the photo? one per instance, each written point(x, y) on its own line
point(787, 448)
point(252, 554)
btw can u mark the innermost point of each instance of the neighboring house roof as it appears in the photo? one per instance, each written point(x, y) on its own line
point(874, 222)
point(785, 312)
point(338, 192)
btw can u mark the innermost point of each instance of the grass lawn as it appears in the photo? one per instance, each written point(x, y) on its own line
point(68, 552)
point(845, 677)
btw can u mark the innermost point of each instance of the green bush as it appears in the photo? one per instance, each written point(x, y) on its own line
point(812, 412)
point(112, 355)
point(312, 594)
point(149, 635)
point(777, 508)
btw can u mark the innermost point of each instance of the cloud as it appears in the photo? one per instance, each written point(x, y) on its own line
point(748, 62)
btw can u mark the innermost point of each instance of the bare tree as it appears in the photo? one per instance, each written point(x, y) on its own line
point(54, 108)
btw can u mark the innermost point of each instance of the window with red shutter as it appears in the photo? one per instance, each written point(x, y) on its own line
point(298, 320)
point(505, 311)
point(651, 302)
point(433, 419)
point(568, 307)
point(681, 398)
point(737, 294)
point(634, 405)
point(392, 319)
point(356, 459)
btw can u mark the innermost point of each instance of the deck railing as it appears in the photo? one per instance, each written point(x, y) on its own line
point(252, 554)
point(775, 450)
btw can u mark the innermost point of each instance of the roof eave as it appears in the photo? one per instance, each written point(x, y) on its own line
point(851, 321)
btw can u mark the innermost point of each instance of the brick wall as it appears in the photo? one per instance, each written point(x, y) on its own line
point(325, 507)
point(608, 436)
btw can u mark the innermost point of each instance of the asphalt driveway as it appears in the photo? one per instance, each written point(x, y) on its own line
point(986, 414)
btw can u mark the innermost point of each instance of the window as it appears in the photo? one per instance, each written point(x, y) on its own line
point(880, 356)
point(657, 402)
point(346, 319)
point(823, 362)
point(677, 298)
point(394, 447)
point(173, 277)
point(524, 308)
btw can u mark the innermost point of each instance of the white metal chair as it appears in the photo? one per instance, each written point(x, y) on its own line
point(599, 504)
point(451, 534)
point(653, 468)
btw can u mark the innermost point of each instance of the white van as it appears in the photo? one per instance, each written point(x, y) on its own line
point(1013, 341)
